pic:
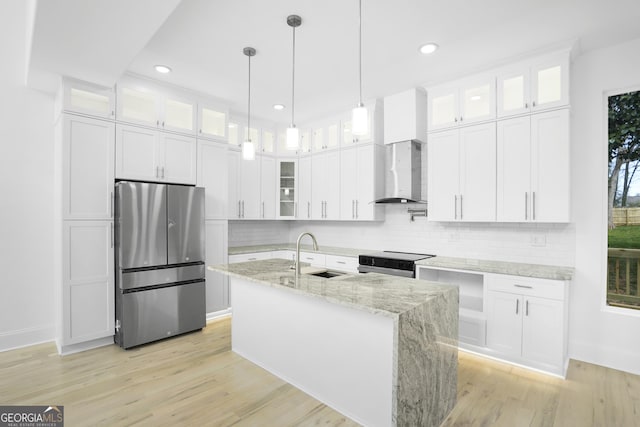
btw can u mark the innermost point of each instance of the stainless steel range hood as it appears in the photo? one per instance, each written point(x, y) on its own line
point(403, 169)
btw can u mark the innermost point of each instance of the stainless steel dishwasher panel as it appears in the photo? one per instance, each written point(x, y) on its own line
point(152, 314)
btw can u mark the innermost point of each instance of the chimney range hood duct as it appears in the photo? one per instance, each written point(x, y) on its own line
point(403, 168)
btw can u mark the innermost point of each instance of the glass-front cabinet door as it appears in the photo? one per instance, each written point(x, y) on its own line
point(533, 86)
point(287, 189)
point(443, 107)
point(477, 100)
point(178, 114)
point(234, 134)
point(317, 139)
point(212, 122)
point(305, 140)
point(88, 99)
point(138, 105)
point(268, 141)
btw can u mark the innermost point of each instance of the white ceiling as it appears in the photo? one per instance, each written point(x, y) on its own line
point(202, 40)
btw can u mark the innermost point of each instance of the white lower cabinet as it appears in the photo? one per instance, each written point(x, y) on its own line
point(527, 321)
point(217, 283)
point(254, 256)
point(87, 282)
point(316, 259)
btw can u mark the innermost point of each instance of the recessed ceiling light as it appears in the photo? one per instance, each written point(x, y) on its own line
point(278, 107)
point(428, 48)
point(162, 69)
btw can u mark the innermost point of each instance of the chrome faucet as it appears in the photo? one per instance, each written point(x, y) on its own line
point(315, 248)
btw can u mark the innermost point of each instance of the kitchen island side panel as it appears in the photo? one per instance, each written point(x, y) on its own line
point(339, 355)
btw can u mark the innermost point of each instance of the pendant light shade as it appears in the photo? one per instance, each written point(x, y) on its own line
point(359, 115)
point(248, 147)
point(293, 136)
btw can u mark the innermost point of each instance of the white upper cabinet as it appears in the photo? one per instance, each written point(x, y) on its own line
point(89, 99)
point(325, 182)
point(405, 116)
point(287, 185)
point(213, 176)
point(235, 139)
point(149, 155)
point(148, 104)
point(535, 85)
point(360, 182)
point(267, 187)
point(212, 121)
point(87, 168)
point(462, 102)
point(532, 171)
point(325, 136)
point(268, 141)
point(304, 187)
point(462, 174)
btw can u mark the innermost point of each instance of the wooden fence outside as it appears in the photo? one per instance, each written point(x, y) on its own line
point(623, 277)
point(626, 216)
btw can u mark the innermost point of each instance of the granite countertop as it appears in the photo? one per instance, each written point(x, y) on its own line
point(381, 294)
point(500, 267)
point(328, 250)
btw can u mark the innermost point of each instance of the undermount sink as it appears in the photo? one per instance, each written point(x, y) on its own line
point(327, 274)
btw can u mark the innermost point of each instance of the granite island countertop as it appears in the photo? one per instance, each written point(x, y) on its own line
point(376, 293)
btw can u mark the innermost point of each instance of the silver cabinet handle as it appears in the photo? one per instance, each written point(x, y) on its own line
point(533, 104)
point(112, 232)
point(163, 172)
point(239, 211)
point(356, 209)
point(455, 206)
point(163, 124)
point(526, 308)
point(461, 118)
point(526, 105)
point(461, 206)
point(111, 201)
point(517, 305)
point(533, 205)
point(252, 259)
point(308, 209)
point(353, 209)
point(243, 209)
point(157, 122)
point(262, 209)
point(523, 286)
point(526, 205)
point(455, 119)
point(340, 262)
point(295, 209)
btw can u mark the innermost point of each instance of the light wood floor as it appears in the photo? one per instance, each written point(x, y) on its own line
point(195, 379)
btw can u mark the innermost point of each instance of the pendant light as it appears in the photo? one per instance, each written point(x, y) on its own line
point(293, 136)
point(248, 147)
point(359, 116)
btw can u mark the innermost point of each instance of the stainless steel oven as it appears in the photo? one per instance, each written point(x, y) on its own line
point(389, 262)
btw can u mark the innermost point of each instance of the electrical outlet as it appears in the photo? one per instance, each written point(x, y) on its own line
point(539, 240)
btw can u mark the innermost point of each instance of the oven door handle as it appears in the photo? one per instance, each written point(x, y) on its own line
point(383, 270)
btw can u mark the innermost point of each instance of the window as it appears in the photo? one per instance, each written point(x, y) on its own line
point(623, 265)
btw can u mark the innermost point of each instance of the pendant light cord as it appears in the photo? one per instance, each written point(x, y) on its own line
point(360, 49)
point(249, 103)
point(293, 77)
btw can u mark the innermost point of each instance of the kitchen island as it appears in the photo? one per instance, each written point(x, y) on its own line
point(380, 349)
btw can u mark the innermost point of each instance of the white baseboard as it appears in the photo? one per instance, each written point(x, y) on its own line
point(87, 345)
point(610, 357)
point(214, 315)
point(26, 337)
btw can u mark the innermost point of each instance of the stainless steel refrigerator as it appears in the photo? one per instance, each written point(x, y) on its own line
point(160, 253)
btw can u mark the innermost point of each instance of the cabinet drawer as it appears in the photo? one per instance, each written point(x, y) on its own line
point(543, 288)
point(313, 258)
point(342, 263)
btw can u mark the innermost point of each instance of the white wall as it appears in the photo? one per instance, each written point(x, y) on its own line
point(598, 334)
point(27, 306)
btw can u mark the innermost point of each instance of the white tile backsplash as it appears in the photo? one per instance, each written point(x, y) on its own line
point(550, 244)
